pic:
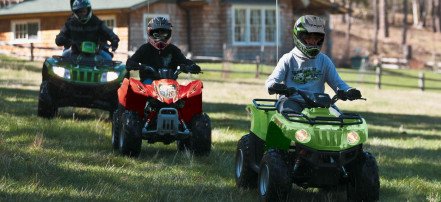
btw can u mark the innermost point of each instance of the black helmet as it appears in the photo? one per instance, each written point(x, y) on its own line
point(76, 5)
point(159, 31)
point(305, 25)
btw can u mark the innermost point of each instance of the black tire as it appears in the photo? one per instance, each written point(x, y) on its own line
point(245, 175)
point(199, 141)
point(364, 183)
point(45, 107)
point(274, 176)
point(130, 134)
point(116, 126)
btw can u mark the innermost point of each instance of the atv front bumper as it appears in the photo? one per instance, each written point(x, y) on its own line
point(64, 93)
point(323, 168)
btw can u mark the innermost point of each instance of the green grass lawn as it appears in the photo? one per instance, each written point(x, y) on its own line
point(69, 158)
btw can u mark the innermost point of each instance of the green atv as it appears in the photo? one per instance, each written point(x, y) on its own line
point(80, 80)
point(319, 147)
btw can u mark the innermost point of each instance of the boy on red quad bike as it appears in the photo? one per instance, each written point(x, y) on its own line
point(157, 108)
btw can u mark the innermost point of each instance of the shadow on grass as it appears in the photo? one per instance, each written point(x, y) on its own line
point(17, 65)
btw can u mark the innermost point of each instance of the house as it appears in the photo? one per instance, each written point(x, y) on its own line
point(228, 29)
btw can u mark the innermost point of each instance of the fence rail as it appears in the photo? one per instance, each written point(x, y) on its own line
point(205, 59)
point(379, 73)
point(31, 50)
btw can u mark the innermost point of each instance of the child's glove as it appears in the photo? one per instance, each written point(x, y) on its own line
point(353, 93)
point(193, 68)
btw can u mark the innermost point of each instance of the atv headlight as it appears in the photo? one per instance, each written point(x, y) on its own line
point(109, 76)
point(352, 137)
point(167, 91)
point(302, 135)
point(61, 72)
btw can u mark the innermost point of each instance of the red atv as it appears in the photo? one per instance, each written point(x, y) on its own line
point(163, 111)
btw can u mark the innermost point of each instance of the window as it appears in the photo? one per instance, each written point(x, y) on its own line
point(254, 25)
point(147, 19)
point(25, 31)
point(109, 21)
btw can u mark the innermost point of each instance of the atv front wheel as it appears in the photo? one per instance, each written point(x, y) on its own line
point(45, 107)
point(199, 141)
point(245, 175)
point(364, 184)
point(274, 176)
point(116, 126)
point(130, 134)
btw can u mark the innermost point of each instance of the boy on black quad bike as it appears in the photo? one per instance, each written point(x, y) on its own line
point(85, 75)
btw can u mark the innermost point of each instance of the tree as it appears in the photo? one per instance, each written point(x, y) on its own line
point(375, 11)
point(348, 31)
point(436, 26)
point(384, 24)
point(404, 35)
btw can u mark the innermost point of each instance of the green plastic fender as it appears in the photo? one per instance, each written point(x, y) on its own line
point(279, 132)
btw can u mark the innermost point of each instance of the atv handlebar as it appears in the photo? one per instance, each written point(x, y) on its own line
point(342, 95)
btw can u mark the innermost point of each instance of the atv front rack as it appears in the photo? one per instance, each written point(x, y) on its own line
point(266, 107)
point(325, 120)
point(317, 120)
point(64, 59)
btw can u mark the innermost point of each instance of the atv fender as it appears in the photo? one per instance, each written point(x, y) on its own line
point(259, 120)
point(133, 95)
point(275, 137)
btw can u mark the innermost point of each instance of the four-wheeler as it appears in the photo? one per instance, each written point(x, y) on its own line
point(80, 80)
point(164, 111)
point(320, 147)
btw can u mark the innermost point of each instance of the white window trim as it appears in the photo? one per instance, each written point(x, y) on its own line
point(20, 41)
point(109, 17)
point(144, 23)
point(247, 28)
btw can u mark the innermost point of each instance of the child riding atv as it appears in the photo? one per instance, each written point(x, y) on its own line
point(302, 137)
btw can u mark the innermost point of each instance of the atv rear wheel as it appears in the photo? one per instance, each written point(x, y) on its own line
point(45, 107)
point(199, 141)
point(245, 175)
point(116, 126)
point(364, 184)
point(274, 176)
point(130, 134)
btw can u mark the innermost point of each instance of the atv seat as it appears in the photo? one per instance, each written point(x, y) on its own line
point(290, 106)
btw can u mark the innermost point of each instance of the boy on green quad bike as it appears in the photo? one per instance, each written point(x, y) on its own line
point(302, 137)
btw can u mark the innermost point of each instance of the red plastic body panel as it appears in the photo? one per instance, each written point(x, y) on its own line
point(133, 96)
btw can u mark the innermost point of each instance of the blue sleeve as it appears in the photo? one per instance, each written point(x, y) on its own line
point(332, 77)
point(279, 73)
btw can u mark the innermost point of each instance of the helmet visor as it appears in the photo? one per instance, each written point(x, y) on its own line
point(160, 34)
point(313, 38)
point(82, 12)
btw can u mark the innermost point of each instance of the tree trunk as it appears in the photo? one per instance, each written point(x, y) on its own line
point(433, 15)
point(403, 39)
point(348, 18)
point(423, 12)
point(415, 15)
point(384, 25)
point(375, 10)
point(437, 9)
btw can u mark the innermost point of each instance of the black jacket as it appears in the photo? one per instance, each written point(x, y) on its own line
point(74, 31)
point(171, 57)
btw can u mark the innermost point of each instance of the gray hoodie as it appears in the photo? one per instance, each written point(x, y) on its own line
point(296, 70)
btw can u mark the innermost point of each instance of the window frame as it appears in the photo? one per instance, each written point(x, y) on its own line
point(145, 22)
point(109, 17)
point(248, 42)
point(26, 40)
